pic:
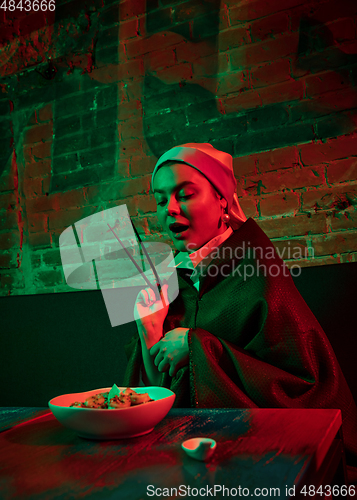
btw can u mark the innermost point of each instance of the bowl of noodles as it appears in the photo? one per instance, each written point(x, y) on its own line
point(113, 413)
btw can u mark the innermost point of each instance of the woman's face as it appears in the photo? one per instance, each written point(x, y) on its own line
point(188, 206)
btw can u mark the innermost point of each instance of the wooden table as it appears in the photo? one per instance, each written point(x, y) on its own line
point(256, 448)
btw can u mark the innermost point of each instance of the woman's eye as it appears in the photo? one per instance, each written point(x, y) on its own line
point(186, 196)
point(161, 203)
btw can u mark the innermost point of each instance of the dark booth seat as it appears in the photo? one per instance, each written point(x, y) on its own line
point(53, 344)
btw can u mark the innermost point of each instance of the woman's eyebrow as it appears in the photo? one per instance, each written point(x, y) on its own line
point(179, 186)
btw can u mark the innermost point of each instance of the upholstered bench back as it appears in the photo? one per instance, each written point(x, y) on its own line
point(58, 343)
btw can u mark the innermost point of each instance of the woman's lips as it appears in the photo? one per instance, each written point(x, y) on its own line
point(178, 227)
point(178, 230)
point(181, 235)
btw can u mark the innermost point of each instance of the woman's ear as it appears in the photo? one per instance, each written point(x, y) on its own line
point(223, 202)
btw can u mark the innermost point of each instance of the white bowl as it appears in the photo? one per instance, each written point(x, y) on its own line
point(200, 448)
point(120, 423)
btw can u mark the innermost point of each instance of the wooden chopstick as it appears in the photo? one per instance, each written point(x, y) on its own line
point(148, 258)
point(132, 259)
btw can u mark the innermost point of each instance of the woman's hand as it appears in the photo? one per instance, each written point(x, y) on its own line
point(150, 314)
point(172, 351)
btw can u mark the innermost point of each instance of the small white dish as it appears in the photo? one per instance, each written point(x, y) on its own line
point(200, 448)
point(120, 423)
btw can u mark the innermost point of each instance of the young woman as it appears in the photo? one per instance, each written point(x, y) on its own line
point(239, 333)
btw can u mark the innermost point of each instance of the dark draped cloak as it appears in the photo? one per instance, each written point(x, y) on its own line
point(253, 340)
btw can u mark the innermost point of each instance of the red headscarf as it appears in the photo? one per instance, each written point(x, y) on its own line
point(216, 166)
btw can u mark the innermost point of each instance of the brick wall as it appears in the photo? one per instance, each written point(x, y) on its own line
point(92, 93)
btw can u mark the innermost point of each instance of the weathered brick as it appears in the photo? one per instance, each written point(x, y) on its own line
point(233, 37)
point(333, 149)
point(272, 138)
point(187, 51)
point(50, 278)
point(8, 220)
point(130, 129)
point(37, 222)
point(256, 9)
point(45, 113)
point(323, 12)
point(140, 185)
point(335, 243)
point(109, 56)
point(52, 257)
point(279, 204)
point(8, 201)
point(267, 117)
point(335, 125)
point(40, 151)
point(77, 104)
point(67, 126)
point(140, 166)
point(98, 156)
point(129, 29)
point(130, 9)
point(336, 198)
point(165, 121)
point(110, 37)
point(38, 133)
point(9, 240)
point(270, 73)
point(11, 280)
point(123, 168)
point(312, 262)
point(131, 147)
point(71, 144)
point(342, 170)
point(83, 177)
point(232, 82)
point(269, 26)
point(277, 159)
point(8, 261)
point(346, 219)
point(348, 257)
point(294, 226)
point(324, 104)
point(65, 218)
point(130, 109)
point(7, 182)
point(175, 74)
point(38, 168)
point(292, 249)
point(249, 206)
point(249, 99)
point(282, 92)
point(159, 20)
point(142, 204)
point(342, 29)
point(328, 59)
point(101, 136)
point(39, 240)
point(244, 165)
point(110, 16)
point(284, 179)
point(144, 45)
point(159, 59)
point(191, 9)
point(33, 187)
point(327, 82)
point(268, 50)
point(210, 66)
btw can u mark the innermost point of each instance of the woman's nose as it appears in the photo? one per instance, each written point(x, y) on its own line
point(173, 206)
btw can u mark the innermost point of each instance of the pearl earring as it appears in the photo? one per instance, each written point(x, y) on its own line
point(226, 218)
